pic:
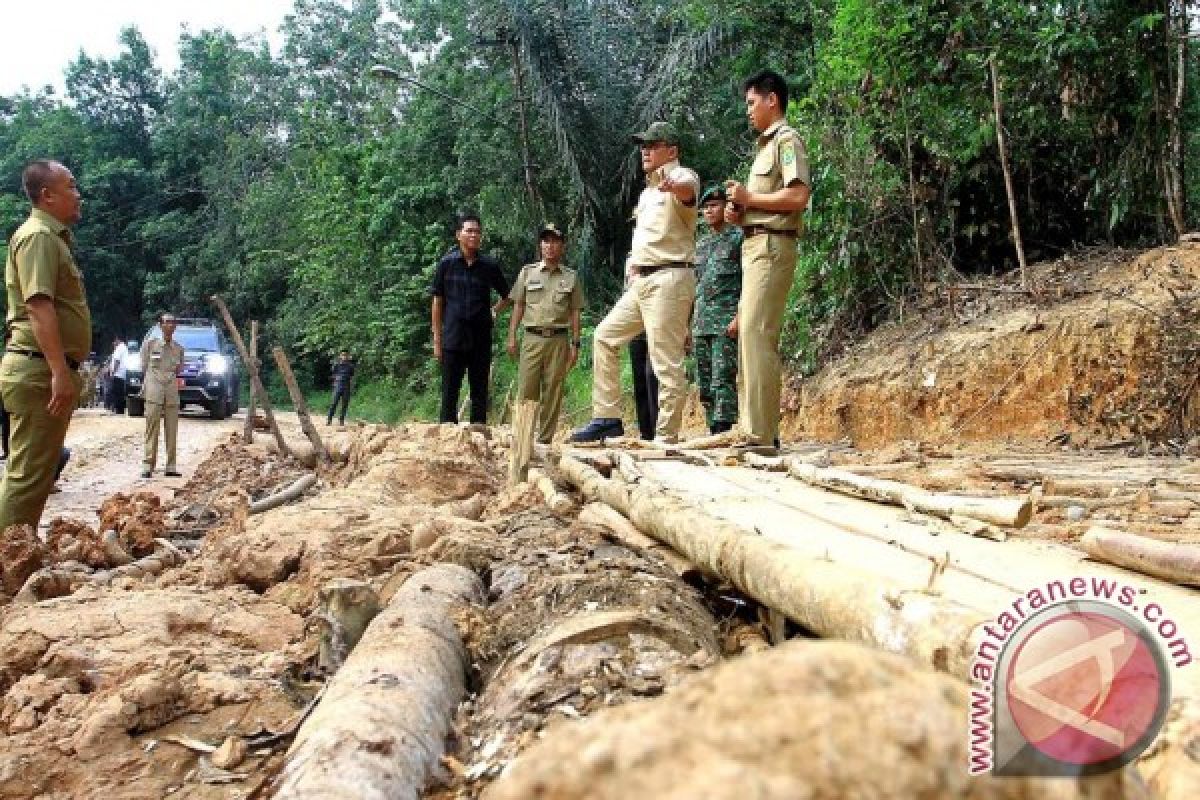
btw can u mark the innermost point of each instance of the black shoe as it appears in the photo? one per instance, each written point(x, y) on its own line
point(173, 474)
point(598, 430)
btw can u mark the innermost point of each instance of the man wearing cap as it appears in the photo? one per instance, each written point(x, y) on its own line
point(47, 335)
point(162, 360)
point(547, 300)
point(714, 320)
point(768, 208)
point(659, 298)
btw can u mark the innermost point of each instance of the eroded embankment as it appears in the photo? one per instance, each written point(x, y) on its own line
point(1106, 353)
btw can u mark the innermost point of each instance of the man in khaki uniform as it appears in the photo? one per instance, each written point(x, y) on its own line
point(161, 360)
point(769, 208)
point(659, 297)
point(48, 333)
point(548, 300)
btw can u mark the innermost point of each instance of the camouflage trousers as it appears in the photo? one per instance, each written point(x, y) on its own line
point(716, 376)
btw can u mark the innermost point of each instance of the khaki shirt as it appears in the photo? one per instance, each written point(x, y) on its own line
point(549, 295)
point(665, 227)
point(40, 262)
point(160, 363)
point(779, 162)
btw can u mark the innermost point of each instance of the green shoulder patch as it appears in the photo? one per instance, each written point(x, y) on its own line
point(787, 153)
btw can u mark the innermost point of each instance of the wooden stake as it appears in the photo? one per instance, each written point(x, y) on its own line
point(524, 426)
point(306, 425)
point(1008, 183)
point(255, 381)
point(248, 433)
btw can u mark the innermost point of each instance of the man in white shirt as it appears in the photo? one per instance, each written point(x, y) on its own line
point(116, 368)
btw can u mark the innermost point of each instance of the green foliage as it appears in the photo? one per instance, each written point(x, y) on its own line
point(317, 199)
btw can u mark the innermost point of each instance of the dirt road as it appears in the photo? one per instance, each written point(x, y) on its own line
point(106, 457)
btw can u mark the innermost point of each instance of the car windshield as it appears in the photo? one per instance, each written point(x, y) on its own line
point(201, 339)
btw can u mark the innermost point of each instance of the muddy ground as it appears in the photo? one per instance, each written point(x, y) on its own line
point(157, 639)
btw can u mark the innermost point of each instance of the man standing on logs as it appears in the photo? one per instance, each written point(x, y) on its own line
point(715, 321)
point(547, 297)
point(343, 382)
point(659, 298)
point(161, 360)
point(48, 334)
point(768, 208)
point(462, 319)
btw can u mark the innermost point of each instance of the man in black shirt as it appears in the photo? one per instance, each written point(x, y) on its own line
point(462, 319)
point(343, 380)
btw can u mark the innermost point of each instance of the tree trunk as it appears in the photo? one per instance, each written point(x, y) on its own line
point(829, 599)
point(255, 381)
point(1011, 512)
point(306, 425)
point(381, 727)
point(998, 106)
point(248, 432)
point(1176, 562)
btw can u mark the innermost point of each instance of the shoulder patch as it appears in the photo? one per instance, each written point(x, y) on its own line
point(787, 152)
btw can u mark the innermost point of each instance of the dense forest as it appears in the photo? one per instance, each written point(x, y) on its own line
point(316, 195)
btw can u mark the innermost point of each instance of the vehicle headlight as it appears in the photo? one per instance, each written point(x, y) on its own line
point(216, 364)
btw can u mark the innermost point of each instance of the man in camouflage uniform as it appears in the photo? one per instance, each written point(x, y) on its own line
point(161, 359)
point(769, 207)
point(715, 320)
point(548, 300)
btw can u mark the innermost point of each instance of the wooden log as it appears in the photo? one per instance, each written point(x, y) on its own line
point(382, 725)
point(256, 383)
point(345, 607)
point(768, 463)
point(1011, 512)
point(829, 599)
point(306, 425)
point(1176, 562)
point(287, 495)
point(524, 428)
point(248, 431)
point(622, 531)
point(558, 502)
point(1066, 501)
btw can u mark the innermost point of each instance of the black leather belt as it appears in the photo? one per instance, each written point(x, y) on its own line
point(538, 331)
point(673, 265)
point(759, 230)
point(72, 363)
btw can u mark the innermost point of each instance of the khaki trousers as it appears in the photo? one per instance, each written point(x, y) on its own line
point(768, 270)
point(540, 377)
point(34, 446)
point(661, 305)
point(170, 423)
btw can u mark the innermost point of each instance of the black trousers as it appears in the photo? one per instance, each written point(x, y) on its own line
point(476, 364)
point(4, 427)
point(645, 386)
point(118, 395)
point(341, 393)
